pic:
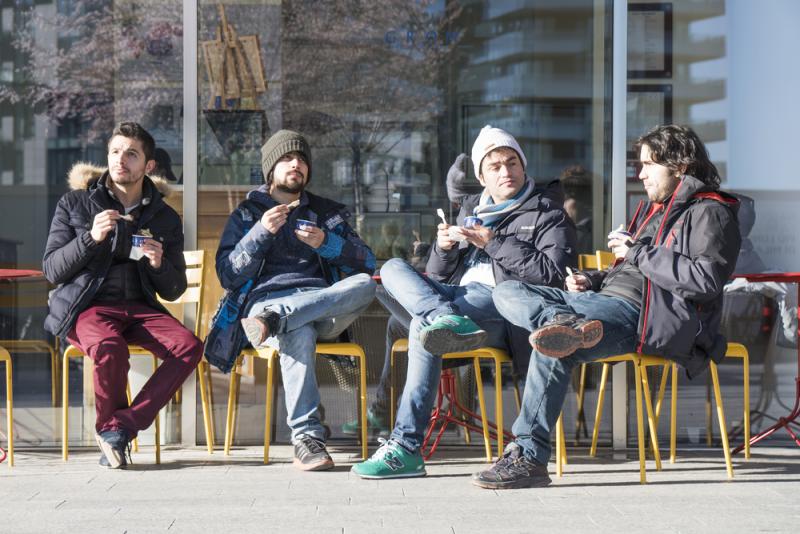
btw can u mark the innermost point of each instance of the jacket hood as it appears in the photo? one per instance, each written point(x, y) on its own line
point(83, 174)
point(692, 187)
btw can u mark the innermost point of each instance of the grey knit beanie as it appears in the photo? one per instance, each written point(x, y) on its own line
point(282, 142)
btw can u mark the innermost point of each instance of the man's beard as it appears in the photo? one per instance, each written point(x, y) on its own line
point(291, 188)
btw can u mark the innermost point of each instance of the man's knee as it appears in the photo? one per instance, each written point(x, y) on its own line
point(393, 267)
point(506, 294)
point(363, 287)
point(110, 351)
point(192, 348)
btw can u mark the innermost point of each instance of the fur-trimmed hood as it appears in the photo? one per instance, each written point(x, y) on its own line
point(82, 174)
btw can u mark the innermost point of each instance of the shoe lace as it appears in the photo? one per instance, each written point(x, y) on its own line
point(385, 448)
point(313, 445)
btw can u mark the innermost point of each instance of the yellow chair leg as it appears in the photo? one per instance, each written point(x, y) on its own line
point(639, 421)
point(601, 392)
point(206, 405)
point(362, 371)
point(268, 415)
point(651, 422)
point(746, 379)
point(157, 421)
point(662, 388)
point(65, 408)
point(559, 443)
point(673, 415)
point(498, 405)
point(210, 404)
point(517, 398)
point(128, 395)
point(482, 404)
point(9, 409)
point(723, 428)
point(53, 377)
point(229, 420)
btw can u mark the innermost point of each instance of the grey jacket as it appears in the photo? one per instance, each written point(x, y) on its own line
point(685, 267)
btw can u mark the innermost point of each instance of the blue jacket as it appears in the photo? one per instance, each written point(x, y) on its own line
point(245, 242)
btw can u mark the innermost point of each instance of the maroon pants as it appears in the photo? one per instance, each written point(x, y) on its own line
point(104, 331)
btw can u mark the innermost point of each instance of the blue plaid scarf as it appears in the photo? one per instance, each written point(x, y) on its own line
point(491, 213)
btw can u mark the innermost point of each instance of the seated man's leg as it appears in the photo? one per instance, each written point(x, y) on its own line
point(298, 367)
point(98, 333)
point(401, 456)
point(525, 460)
point(289, 310)
point(179, 351)
point(446, 328)
point(378, 412)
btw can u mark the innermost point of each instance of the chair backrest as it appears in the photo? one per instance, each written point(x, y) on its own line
point(604, 259)
point(587, 261)
point(195, 261)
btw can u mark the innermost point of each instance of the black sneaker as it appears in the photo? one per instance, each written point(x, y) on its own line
point(258, 328)
point(310, 455)
point(511, 471)
point(565, 334)
point(116, 448)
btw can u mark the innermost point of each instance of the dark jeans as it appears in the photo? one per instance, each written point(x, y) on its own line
point(104, 331)
point(548, 378)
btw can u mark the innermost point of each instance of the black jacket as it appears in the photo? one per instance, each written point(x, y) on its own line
point(78, 265)
point(533, 244)
point(685, 267)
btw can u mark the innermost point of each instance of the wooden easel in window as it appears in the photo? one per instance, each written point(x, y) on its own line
point(234, 68)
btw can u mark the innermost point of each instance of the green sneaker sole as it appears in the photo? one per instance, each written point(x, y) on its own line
point(414, 474)
point(441, 341)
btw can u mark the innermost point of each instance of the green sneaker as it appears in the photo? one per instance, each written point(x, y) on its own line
point(376, 423)
point(452, 333)
point(391, 460)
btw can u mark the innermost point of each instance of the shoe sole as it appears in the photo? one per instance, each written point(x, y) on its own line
point(254, 330)
point(558, 341)
point(111, 454)
point(415, 474)
point(443, 341)
point(325, 465)
point(537, 482)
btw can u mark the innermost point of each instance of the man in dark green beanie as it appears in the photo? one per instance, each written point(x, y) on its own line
point(293, 245)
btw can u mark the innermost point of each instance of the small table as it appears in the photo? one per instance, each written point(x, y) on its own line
point(9, 274)
point(783, 422)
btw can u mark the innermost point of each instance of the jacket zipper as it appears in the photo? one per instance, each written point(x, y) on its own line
point(649, 283)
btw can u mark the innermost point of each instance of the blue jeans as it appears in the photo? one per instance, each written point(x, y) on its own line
point(548, 378)
point(307, 314)
point(425, 300)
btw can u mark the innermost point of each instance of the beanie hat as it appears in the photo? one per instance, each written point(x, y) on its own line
point(489, 139)
point(281, 143)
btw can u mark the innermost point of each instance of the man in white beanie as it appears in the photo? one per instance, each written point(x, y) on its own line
point(514, 230)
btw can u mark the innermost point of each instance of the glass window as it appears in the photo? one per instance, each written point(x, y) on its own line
point(727, 68)
point(71, 71)
point(388, 97)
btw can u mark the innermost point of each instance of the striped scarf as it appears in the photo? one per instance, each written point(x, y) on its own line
point(491, 213)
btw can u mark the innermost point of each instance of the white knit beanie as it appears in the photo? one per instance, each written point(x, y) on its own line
point(489, 139)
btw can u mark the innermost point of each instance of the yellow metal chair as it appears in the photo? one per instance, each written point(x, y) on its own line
point(6, 357)
point(38, 346)
point(641, 362)
point(497, 356)
point(195, 260)
point(271, 357)
point(734, 350)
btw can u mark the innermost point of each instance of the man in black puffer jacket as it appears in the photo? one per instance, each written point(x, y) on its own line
point(662, 296)
point(107, 289)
